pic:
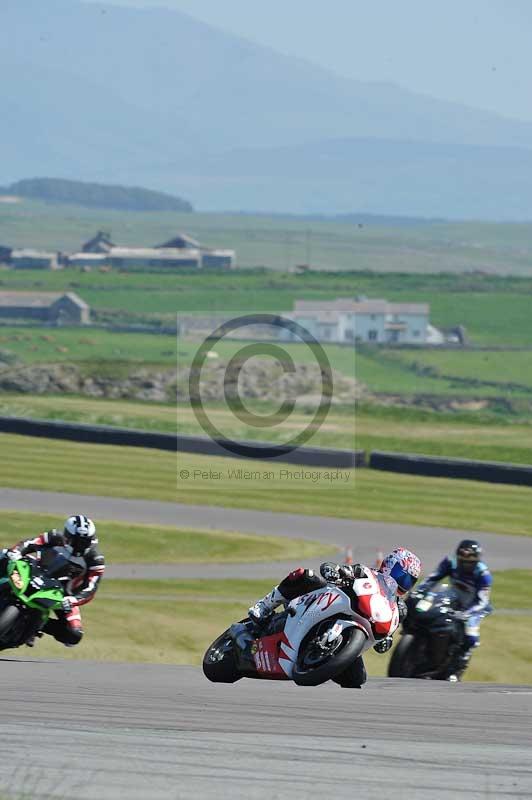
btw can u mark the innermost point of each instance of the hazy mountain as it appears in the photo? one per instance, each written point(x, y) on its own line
point(367, 175)
point(154, 97)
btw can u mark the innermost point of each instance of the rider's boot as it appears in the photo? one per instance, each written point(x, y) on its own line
point(31, 640)
point(462, 662)
point(263, 609)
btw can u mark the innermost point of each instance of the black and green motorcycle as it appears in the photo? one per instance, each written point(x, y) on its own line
point(31, 589)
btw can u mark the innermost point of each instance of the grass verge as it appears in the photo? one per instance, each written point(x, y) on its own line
point(154, 544)
point(46, 464)
point(474, 434)
point(175, 621)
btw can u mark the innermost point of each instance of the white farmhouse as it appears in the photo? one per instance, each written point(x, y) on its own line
point(362, 320)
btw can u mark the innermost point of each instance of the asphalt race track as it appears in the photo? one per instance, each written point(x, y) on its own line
point(366, 538)
point(147, 732)
point(100, 731)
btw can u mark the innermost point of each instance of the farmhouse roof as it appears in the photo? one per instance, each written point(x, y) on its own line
point(101, 241)
point(160, 254)
point(181, 241)
point(88, 256)
point(29, 253)
point(37, 299)
point(346, 305)
point(74, 298)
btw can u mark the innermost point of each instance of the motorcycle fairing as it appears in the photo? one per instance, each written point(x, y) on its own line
point(266, 652)
point(310, 609)
point(376, 605)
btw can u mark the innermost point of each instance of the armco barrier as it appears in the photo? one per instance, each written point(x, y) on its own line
point(304, 456)
point(434, 466)
point(104, 434)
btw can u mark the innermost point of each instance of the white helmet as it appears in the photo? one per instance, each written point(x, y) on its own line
point(80, 532)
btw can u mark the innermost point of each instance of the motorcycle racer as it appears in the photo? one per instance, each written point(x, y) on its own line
point(472, 580)
point(80, 533)
point(400, 569)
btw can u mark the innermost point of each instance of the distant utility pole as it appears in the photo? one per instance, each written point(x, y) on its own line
point(307, 247)
point(287, 244)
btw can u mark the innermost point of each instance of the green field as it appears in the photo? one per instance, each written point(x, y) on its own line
point(466, 435)
point(281, 242)
point(175, 621)
point(494, 309)
point(449, 380)
point(366, 494)
point(505, 370)
point(155, 544)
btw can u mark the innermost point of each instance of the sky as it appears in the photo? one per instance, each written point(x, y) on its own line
point(476, 52)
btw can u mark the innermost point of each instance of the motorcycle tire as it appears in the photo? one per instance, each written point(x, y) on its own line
point(8, 617)
point(354, 677)
point(308, 675)
point(403, 661)
point(219, 664)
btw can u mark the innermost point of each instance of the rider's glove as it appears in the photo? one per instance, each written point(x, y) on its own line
point(68, 603)
point(330, 571)
point(384, 645)
point(461, 616)
point(339, 573)
point(14, 555)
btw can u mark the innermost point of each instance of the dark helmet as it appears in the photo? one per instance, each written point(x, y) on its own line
point(468, 554)
point(80, 532)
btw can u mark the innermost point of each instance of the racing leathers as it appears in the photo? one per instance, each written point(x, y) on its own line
point(473, 590)
point(301, 581)
point(67, 628)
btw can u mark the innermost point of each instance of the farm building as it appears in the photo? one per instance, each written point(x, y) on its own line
point(101, 243)
point(34, 259)
point(5, 254)
point(61, 309)
point(217, 259)
point(88, 260)
point(153, 257)
point(180, 242)
point(181, 252)
point(211, 258)
point(362, 320)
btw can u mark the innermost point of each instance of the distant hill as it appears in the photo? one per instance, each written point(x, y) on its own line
point(111, 94)
point(97, 195)
point(369, 176)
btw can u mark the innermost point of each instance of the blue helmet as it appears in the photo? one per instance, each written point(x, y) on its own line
point(404, 567)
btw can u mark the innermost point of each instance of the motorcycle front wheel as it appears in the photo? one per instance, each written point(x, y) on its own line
point(319, 661)
point(404, 662)
point(219, 664)
point(8, 617)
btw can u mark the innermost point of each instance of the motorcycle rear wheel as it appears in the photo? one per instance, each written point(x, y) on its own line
point(219, 664)
point(403, 661)
point(8, 617)
point(305, 674)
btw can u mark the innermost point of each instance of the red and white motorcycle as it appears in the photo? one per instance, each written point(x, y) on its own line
point(316, 638)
